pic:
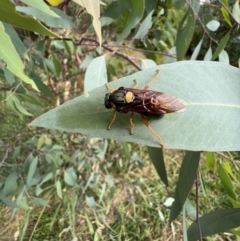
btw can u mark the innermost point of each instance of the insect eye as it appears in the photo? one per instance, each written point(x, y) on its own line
point(107, 101)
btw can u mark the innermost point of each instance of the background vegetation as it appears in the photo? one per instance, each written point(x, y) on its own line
point(59, 185)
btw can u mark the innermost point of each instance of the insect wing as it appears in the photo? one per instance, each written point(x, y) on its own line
point(167, 103)
point(152, 103)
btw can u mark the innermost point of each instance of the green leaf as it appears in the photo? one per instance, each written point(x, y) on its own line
point(44, 89)
point(225, 14)
point(156, 155)
point(213, 25)
point(40, 201)
point(208, 55)
point(21, 201)
point(9, 76)
point(236, 11)
point(17, 152)
point(215, 222)
point(7, 201)
point(226, 182)
point(93, 8)
point(9, 54)
point(54, 22)
point(59, 189)
point(228, 169)
point(32, 99)
point(96, 74)
point(185, 182)
point(136, 13)
point(191, 210)
point(90, 201)
point(151, 5)
point(220, 46)
point(210, 161)
point(18, 105)
point(9, 15)
point(32, 170)
point(196, 50)
point(17, 42)
point(223, 57)
point(172, 56)
point(70, 177)
point(209, 88)
point(148, 63)
point(41, 6)
point(10, 185)
point(185, 33)
point(113, 10)
point(235, 203)
point(207, 18)
point(179, 4)
point(144, 27)
point(195, 5)
point(46, 178)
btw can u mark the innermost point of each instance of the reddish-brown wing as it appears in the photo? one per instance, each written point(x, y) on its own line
point(152, 103)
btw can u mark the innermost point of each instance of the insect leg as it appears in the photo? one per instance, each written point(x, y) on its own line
point(153, 131)
point(113, 119)
point(110, 89)
point(131, 122)
point(136, 84)
point(152, 80)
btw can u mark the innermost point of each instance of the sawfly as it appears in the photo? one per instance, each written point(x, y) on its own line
point(147, 103)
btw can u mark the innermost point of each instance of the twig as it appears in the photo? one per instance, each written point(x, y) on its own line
point(204, 28)
point(105, 46)
point(197, 208)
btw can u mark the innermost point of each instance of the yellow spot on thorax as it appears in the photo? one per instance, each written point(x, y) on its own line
point(129, 97)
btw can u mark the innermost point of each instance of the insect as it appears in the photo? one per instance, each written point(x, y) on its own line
point(147, 103)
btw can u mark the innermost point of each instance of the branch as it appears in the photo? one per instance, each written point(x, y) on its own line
point(105, 46)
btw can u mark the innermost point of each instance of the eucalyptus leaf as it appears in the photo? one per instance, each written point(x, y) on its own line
point(93, 8)
point(41, 6)
point(144, 27)
point(148, 63)
point(215, 222)
point(213, 25)
point(96, 74)
point(226, 16)
point(10, 183)
point(9, 15)
point(171, 55)
point(10, 56)
point(207, 18)
point(185, 182)
point(223, 57)
point(7, 201)
point(210, 122)
point(196, 50)
point(236, 12)
point(221, 46)
point(185, 33)
point(156, 155)
point(226, 182)
point(136, 13)
point(208, 55)
point(32, 170)
point(55, 22)
point(17, 42)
